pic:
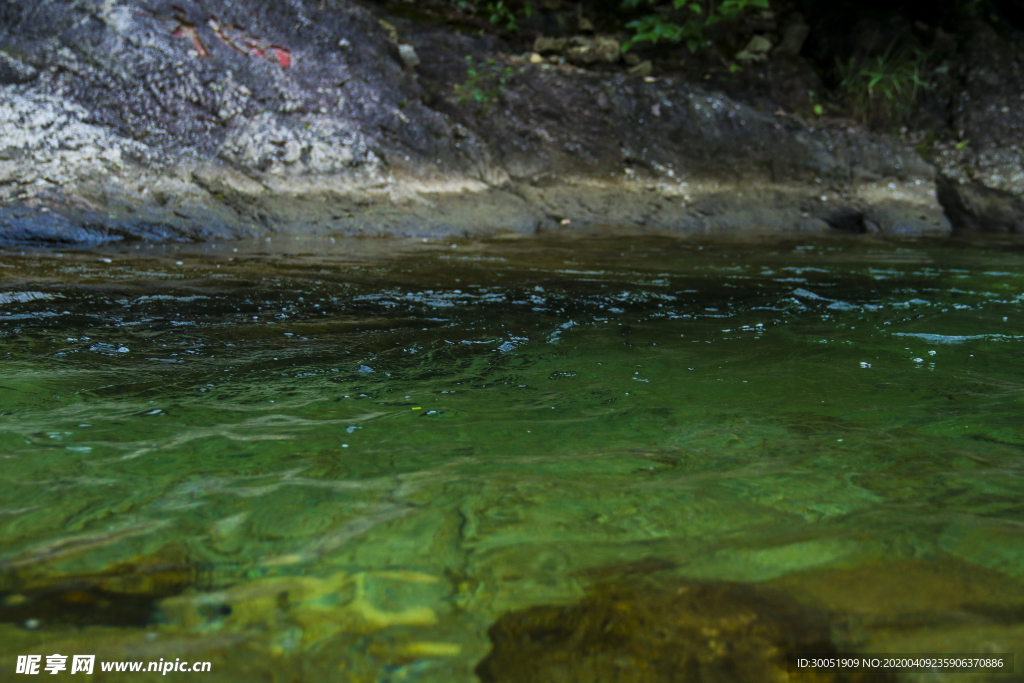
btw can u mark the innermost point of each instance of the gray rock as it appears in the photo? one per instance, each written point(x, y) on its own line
point(34, 227)
point(220, 119)
point(973, 207)
point(982, 185)
point(14, 71)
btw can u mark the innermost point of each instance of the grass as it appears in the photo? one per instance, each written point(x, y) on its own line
point(884, 87)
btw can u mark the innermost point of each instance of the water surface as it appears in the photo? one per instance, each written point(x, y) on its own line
point(346, 459)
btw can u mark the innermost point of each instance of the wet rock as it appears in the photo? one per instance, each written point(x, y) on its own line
point(845, 219)
point(124, 594)
point(973, 207)
point(882, 594)
point(26, 226)
point(697, 631)
point(351, 603)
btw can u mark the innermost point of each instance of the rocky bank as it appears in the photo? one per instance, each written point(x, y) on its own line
point(210, 119)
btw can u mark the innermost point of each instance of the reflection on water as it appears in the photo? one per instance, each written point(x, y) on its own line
point(350, 460)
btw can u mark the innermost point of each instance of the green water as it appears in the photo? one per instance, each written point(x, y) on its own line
point(344, 460)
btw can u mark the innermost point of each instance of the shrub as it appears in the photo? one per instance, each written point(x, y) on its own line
point(500, 12)
point(484, 82)
point(683, 20)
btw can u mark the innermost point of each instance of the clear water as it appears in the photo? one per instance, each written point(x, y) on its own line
point(319, 461)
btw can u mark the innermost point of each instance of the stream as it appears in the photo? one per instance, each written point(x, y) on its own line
point(348, 459)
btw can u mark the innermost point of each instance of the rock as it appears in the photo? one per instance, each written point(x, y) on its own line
point(14, 71)
point(124, 594)
point(793, 36)
point(408, 53)
point(319, 607)
point(546, 46)
point(973, 207)
point(33, 227)
point(756, 50)
point(982, 184)
point(624, 633)
point(583, 50)
point(643, 68)
point(150, 121)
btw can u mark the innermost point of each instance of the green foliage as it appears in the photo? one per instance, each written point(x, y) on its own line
point(883, 87)
point(683, 20)
point(500, 12)
point(485, 81)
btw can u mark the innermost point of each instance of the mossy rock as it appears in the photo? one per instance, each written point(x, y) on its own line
point(123, 594)
point(697, 632)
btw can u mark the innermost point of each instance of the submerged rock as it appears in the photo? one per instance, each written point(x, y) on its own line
point(692, 631)
point(125, 594)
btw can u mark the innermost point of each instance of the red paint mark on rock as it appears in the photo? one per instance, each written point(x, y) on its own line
point(185, 30)
point(248, 44)
point(284, 57)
